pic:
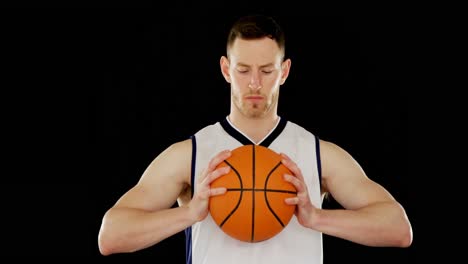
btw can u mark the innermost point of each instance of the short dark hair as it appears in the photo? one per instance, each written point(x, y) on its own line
point(256, 27)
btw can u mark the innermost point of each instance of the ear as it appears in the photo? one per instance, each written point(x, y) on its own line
point(224, 64)
point(285, 67)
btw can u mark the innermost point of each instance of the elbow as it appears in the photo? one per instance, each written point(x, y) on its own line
point(111, 242)
point(105, 245)
point(109, 245)
point(399, 232)
point(104, 250)
point(107, 237)
point(405, 232)
point(401, 237)
point(108, 240)
point(406, 237)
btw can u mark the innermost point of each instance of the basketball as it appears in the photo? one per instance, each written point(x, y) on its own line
point(253, 207)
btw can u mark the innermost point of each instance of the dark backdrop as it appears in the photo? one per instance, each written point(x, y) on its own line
point(90, 97)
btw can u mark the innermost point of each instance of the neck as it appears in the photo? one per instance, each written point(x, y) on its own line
point(255, 128)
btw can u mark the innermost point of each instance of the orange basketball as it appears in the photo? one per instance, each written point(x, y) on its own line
point(253, 208)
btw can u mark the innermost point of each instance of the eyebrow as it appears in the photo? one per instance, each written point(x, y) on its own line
point(261, 66)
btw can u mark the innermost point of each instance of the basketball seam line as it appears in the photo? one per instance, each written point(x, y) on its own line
point(253, 194)
point(266, 198)
point(240, 198)
point(259, 190)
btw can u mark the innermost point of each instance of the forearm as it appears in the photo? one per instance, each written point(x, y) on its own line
point(379, 224)
point(128, 230)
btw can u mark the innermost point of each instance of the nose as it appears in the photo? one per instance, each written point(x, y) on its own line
point(255, 86)
point(255, 82)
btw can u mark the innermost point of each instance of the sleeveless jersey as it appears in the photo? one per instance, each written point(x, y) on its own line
point(206, 243)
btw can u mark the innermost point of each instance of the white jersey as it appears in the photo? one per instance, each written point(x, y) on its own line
point(207, 244)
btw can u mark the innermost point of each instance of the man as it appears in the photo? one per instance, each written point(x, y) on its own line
point(255, 67)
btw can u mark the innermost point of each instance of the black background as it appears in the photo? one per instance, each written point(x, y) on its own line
point(90, 97)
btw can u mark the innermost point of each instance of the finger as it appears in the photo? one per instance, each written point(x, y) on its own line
point(291, 165)
point(216, 174)
point(285, 156)
point(216, 160)
point(212, 192)
point(291, 201)
point(294, 181)
point(218, 191)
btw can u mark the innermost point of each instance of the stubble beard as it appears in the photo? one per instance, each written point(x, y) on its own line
point(254, 110)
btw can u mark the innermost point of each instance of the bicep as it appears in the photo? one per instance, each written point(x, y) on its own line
point(346, 181)
point(163, 180)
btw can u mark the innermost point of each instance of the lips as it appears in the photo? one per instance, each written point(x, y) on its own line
point(254, 97)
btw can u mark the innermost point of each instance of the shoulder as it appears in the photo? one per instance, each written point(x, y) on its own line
point(296, 130)
point(293, 125)
point(184, 148)
point(332, 149)
point(328, 145)
point(180, 150)
point(172, 163)
point(208, 130)
point(177, 153)
point(181, 146)
point(337, 161)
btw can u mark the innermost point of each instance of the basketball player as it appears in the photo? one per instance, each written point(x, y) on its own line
point(255, 67)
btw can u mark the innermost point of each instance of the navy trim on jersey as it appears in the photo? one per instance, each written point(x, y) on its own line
point(274, 134)
point(194, 158)
point(319, 163)
point(188, 230)
point(245, 141)
point(188, 245)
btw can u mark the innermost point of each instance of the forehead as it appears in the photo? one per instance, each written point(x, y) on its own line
point(256, 51)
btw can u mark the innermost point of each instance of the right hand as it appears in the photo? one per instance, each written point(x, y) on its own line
point(200, 201)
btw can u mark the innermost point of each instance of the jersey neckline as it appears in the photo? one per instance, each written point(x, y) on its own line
point(244, 140)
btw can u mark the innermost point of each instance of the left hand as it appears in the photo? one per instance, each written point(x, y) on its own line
point(305, 210)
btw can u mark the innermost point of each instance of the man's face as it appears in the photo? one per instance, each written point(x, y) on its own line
point(256, 71)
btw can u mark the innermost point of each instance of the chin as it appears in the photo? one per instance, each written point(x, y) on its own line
point(255, 113)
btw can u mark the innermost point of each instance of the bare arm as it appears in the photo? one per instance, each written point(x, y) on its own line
point(142, 216)
point(371, 216)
